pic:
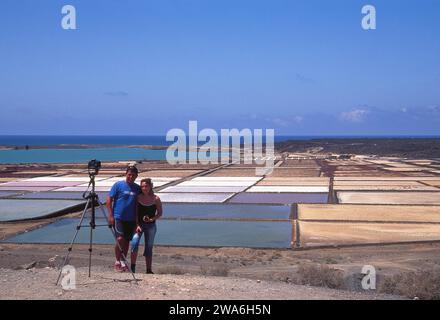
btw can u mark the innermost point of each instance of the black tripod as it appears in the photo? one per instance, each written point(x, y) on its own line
point(93, 199)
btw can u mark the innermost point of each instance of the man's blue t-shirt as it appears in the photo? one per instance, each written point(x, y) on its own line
point(124, 200)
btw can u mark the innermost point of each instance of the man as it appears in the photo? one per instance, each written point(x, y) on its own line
point(121, 205)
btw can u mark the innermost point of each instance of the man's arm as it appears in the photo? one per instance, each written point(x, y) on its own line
point(111, 219)
point(110, 201)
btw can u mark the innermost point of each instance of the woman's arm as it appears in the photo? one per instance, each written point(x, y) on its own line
point(158, 208)
point(138, 223)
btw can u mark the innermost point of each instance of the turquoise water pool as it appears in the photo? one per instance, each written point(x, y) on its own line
point(256, 234)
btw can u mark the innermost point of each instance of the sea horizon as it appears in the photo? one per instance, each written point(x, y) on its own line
point(160, 140)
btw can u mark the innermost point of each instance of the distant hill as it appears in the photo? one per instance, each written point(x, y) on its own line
point(397, 147)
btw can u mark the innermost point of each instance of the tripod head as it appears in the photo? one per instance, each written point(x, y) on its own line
point(93, 167)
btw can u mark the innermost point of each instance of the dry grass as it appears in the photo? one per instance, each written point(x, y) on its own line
point(423, 284)
point(320, 276)
point(219, 270)
point(171, 270)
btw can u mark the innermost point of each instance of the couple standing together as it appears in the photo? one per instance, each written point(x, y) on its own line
point(133, 211)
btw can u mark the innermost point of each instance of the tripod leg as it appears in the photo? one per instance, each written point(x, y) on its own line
point(92, 227)
point(73, 240)
point(116, 239)
point(90, 250)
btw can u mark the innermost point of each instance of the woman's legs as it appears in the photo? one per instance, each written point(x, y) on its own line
point(150, 232)
point(134, 250)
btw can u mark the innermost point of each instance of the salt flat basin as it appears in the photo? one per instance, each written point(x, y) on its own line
point(324, 180)
point(319, 233)
point(21, 209)
point(435, 183)
point(385, 178)
point(287, 172)
point(81, 189)
point(217, 179)
point(80, 179)
point(226, 183)
point(174, 232)
point(28, 188)
point(59, 195)
point(40, 184)
point(175, 173)
point(405, 169)
point(292, 182)
point(369, 213)
point(204, 189)
point(405, 197)
point(384, 187)
point(4, 194)
point(290, 189)
point(194, 197)
point(281, 198)
point(376, 183)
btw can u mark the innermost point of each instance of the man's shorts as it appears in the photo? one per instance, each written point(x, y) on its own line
point(125, 229)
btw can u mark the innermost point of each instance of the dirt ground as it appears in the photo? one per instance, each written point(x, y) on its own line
point(276, 266)
point(40, 284)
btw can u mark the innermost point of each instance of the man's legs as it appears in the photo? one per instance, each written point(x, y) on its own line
point(117, 250)
point(123, 231)
point(125, 247)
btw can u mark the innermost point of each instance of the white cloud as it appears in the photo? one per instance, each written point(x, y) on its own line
point(119, 93)
point(357, 115)
point(298, 119)
point(288, 121)
point(280, 122)
point(434, 108)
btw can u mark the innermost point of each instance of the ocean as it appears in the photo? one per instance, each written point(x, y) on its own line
point(44, 140)
point(78, 155)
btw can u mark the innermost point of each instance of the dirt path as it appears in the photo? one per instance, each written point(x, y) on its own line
point(40, 284)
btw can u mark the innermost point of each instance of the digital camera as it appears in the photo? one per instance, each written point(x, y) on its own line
point(93, 167)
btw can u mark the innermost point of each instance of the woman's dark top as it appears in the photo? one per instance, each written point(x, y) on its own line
point(146, 211)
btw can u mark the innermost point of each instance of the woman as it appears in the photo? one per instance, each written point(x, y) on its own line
point(148, 210)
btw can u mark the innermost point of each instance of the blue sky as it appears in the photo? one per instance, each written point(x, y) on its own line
point(144, 67)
